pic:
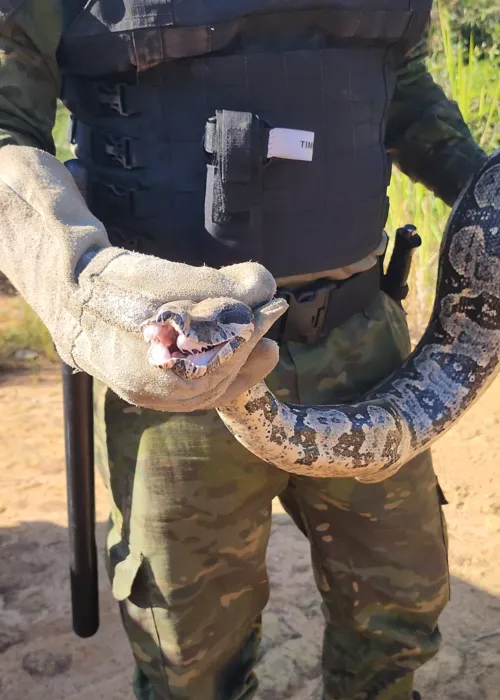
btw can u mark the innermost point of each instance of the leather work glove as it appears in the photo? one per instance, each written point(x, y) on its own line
point(94, 318)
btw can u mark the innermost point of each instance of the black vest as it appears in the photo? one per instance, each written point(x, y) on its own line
point(174, 103)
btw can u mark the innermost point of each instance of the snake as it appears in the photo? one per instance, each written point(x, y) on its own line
point(456, 359)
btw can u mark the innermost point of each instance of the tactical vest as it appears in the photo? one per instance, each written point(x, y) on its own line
point(220, 131)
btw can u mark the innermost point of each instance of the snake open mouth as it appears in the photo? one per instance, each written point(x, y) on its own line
point(167, 346)
point(193, 339)
point(170, 347)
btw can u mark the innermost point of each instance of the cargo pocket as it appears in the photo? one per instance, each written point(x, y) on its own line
point(236, 146)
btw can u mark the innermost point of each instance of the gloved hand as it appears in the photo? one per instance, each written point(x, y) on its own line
point(94, 319)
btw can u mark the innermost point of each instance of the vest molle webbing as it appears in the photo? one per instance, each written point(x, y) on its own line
point(175, 104)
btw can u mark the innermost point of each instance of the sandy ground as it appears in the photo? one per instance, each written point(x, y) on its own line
point(41, 659)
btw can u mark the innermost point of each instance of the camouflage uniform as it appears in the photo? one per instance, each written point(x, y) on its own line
point(191, 509)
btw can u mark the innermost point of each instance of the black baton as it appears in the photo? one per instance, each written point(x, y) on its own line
point(79, 447)
point(395, 281)
point(79, 444)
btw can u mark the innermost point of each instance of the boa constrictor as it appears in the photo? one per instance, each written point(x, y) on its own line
point(454, 362)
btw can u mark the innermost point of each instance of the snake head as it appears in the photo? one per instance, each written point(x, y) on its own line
point(193, 338)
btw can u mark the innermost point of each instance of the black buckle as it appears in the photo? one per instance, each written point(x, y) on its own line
point(119, 148)
point(305, 317)
point(112, 95)
point(313, 311)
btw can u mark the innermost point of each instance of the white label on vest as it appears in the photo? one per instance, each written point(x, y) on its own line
point(290, 143)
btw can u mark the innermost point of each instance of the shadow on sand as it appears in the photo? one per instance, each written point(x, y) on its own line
point(41, 659)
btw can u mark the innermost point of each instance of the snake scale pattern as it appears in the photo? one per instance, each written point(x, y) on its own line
point(455, 361)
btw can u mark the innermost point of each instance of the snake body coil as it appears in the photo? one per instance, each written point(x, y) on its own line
point(454, 362)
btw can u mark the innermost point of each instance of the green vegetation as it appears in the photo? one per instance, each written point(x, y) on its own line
point(474, 84)
point(60, 134)
point(21, 330)
point(479, 19)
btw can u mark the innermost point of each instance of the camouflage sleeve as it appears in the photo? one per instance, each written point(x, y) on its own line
point(29, 78)
point(426, 134)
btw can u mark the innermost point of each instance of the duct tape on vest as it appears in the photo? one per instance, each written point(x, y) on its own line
point(292, 144)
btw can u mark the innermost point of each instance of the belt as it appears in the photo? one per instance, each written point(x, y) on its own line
point(315, 310)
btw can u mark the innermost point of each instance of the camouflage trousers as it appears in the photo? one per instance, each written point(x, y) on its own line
point(190, 522)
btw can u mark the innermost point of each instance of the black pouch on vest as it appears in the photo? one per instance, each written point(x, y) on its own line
point(235, 143)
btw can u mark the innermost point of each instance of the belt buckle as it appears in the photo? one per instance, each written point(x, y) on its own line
point(304, 320)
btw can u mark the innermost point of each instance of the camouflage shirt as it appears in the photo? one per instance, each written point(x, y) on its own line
point(426, 135)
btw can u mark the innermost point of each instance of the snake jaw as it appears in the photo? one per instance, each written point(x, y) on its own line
point(172, 346)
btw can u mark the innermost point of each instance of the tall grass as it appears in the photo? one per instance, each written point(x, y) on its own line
point(20, 329)
point(475, 86)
